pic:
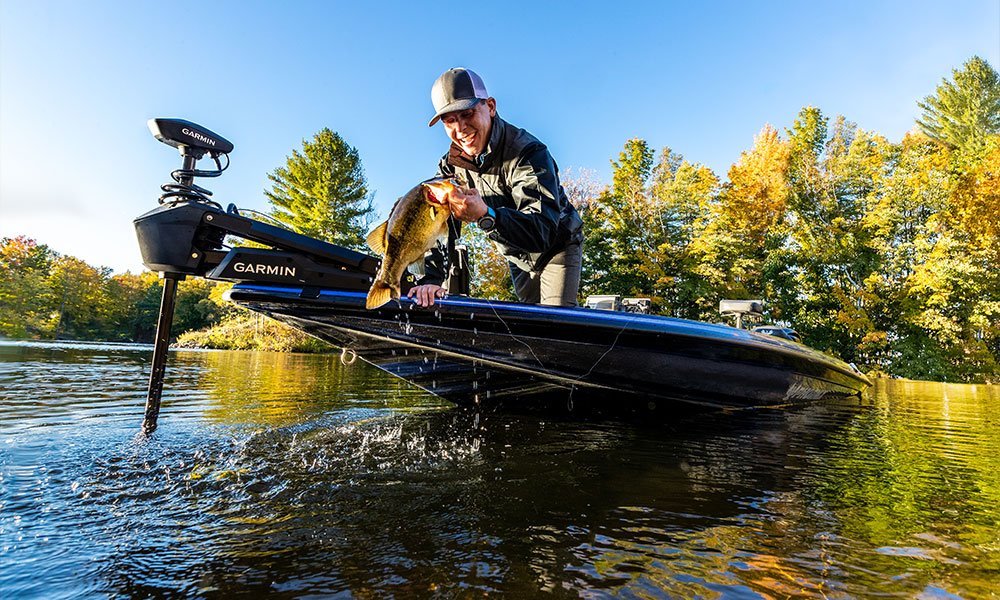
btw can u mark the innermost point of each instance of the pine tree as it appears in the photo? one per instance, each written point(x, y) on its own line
point(322, 192)
point(965, 110)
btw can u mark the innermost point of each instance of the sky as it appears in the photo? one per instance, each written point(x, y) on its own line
point(79, 80)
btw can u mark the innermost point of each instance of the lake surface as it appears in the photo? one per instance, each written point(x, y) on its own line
point(297, 476)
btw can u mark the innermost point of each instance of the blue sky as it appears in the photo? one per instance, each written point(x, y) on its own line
point(78, 81)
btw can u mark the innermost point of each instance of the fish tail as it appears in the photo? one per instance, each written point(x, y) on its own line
point(380, 294)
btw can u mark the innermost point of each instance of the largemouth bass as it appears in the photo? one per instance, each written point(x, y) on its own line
point(415, 224)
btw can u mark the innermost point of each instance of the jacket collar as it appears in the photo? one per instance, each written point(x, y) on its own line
point(457, 158)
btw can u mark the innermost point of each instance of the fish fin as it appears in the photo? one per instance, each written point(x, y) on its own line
point(380, 294)
point(377, 239)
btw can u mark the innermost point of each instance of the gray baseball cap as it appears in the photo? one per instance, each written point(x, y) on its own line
point(456, 89)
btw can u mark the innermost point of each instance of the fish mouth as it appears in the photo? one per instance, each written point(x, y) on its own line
point(437, 190)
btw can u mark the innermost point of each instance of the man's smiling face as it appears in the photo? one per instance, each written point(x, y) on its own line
point(470, 128)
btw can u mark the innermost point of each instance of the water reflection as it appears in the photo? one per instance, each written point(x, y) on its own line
point(296, 475)
point(281, 389)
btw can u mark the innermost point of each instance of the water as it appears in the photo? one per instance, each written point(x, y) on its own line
point(297, 476)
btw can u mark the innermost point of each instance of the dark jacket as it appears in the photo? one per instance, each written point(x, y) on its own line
point(517, 177)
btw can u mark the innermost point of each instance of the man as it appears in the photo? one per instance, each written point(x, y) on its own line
point(510, 189)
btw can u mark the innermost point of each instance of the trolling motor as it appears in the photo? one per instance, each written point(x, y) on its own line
point(193, 142)
point(186, 235)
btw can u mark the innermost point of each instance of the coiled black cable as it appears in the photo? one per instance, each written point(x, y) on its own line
point(181, 191)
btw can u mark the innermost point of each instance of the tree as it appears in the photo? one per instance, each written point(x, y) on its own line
point(490, 271)
point(747, 222)
point(683, 195)
point(79, 298)
point(195, 308)
point(133, 304)
point(965, 110)
point(835, 177)
point(953, 291)
point(25, 301)
point(616, 226)
point(639, 230)
point(582, 186)
point(322, 192)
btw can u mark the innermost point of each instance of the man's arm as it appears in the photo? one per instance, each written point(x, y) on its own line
point(533, 225)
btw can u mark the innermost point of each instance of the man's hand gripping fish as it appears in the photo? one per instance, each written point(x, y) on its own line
point(415, 224)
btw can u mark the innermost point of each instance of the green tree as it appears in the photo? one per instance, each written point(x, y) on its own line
point(490, 272)
point(196, 308)
point(965, 110)
point(79, 299)
point(901, 226)
point(639, 230)
point(322, 191)
point(25, 298)
point(682, 196)
point(616, 226)
point(133, 303)
point(833, 178)
point(950, 303)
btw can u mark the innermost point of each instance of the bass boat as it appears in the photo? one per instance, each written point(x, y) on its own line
point(469, 351)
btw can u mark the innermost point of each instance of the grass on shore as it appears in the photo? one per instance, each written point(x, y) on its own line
point(252, 331)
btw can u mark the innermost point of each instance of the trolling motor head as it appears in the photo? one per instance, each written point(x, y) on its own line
point(193, 141)
point(189, 138)
point(172, 238)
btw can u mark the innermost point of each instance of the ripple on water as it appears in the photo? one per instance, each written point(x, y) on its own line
point(296, 475)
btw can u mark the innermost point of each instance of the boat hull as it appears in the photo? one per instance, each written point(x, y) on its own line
point(474, 352)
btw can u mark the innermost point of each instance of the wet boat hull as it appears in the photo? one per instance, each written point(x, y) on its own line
point(475, 352)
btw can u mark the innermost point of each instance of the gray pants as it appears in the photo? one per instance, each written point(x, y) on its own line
point(556, 284)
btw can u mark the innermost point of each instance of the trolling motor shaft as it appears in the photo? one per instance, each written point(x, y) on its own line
point(160, 347)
